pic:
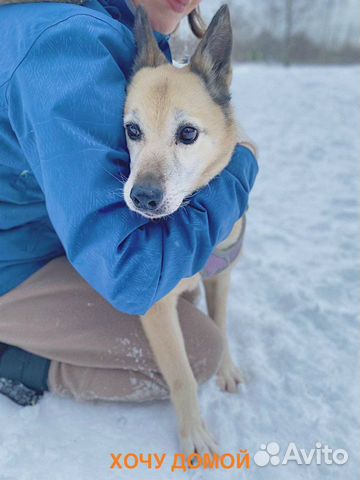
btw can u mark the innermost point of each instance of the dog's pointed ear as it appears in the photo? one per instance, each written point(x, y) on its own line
point(148, 51)
point(212, 58)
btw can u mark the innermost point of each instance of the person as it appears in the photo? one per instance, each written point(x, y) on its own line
point(77, 267)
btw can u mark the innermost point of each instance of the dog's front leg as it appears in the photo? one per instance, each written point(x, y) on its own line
point(217, 293)
point(162, 328)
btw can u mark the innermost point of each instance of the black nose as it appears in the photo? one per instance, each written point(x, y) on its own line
point(146, 196)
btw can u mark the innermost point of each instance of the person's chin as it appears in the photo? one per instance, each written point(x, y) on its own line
point(178, 6)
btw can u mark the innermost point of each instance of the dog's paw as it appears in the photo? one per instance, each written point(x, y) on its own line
point(229, 377)
point(198, 439)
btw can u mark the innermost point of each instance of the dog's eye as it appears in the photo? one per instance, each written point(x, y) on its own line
point(187, 135)
point(133, 131)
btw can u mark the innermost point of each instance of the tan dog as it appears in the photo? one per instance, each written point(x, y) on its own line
point(181, 133)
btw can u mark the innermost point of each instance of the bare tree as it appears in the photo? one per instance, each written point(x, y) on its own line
point(288, 31)
point(289, 22)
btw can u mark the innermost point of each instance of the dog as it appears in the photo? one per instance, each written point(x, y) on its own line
point(181, 133)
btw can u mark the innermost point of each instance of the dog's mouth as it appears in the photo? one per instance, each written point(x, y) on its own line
point(165, 209)
point(152, 215)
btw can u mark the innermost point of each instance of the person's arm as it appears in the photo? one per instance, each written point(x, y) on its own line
point(66, 104)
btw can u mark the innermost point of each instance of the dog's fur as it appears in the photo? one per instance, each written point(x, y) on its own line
point(161, 98)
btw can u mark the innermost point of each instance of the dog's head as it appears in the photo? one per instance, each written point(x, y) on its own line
point(179, 124)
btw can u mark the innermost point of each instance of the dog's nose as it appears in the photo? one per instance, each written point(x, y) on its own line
point(146, 196)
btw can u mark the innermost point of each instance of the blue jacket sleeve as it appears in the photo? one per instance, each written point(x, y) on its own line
point(65, 104)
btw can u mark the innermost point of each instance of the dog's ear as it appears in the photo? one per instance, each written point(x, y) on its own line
point(212, 58)
point(149, 53)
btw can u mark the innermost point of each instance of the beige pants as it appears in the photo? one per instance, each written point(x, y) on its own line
point(97, 352)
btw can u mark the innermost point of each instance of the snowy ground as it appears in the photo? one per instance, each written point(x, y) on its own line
point(293, 311)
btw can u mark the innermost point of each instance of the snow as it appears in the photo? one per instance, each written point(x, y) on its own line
point(293, 309)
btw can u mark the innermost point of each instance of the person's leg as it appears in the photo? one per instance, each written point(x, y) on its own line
point(96, 351)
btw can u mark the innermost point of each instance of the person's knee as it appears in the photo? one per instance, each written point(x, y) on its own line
point(203, 340)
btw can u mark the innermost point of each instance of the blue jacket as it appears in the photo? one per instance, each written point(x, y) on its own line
point(63, 76)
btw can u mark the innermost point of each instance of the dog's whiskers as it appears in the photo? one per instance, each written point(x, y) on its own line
point(121, 179)
point(118, 193)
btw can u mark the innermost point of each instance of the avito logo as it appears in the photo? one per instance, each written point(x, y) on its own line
point(270, 455)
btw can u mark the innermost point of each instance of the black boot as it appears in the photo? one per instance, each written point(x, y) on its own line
point(23, 375)
point(3, 347)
